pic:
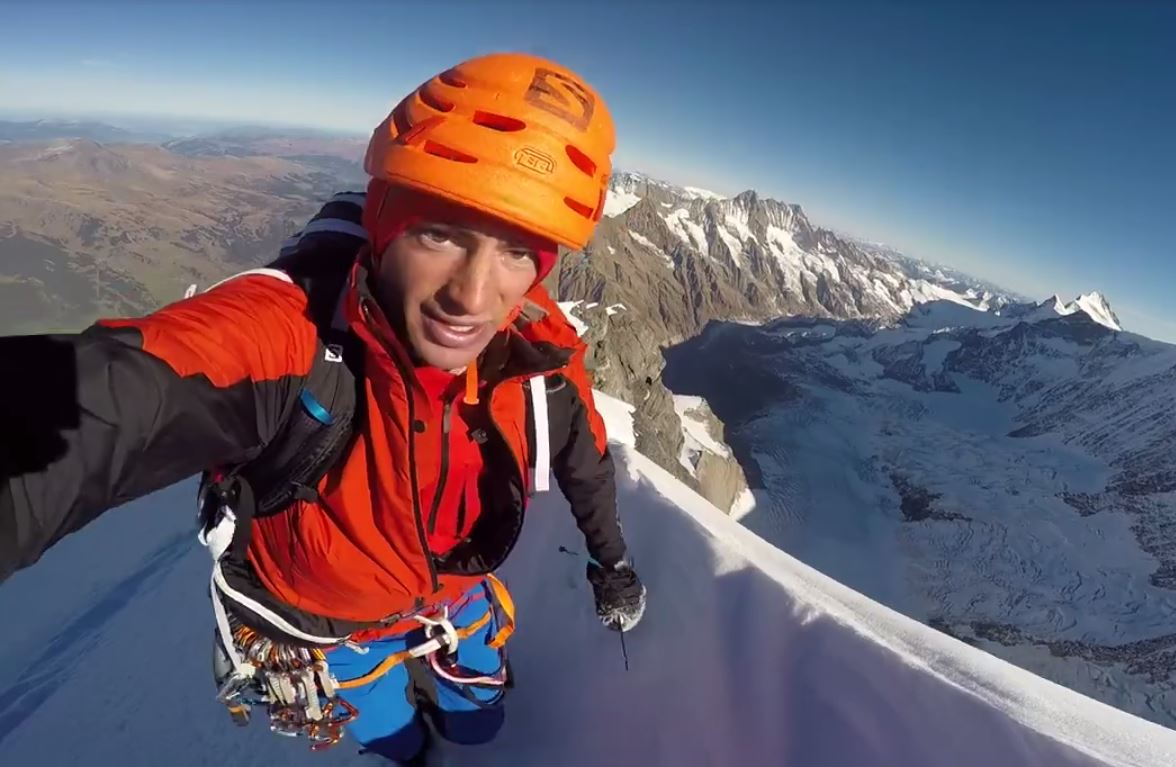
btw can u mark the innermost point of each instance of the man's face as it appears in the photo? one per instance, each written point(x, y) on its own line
point(452, 286)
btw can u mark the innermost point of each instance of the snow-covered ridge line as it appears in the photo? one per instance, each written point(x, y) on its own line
point(747, 656)
point(891, 651)
point(1093, 305)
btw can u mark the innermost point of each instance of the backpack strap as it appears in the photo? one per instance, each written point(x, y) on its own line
point(313, 436)
point(319, 420)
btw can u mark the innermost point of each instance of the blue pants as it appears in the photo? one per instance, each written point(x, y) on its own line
point(390, 708)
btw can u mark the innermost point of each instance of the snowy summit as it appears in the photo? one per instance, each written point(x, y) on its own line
point(1096, 306)
point(1093, 305)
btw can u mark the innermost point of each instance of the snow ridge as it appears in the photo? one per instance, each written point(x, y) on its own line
point(829, 664)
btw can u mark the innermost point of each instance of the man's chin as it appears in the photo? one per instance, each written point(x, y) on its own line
point(444, 358)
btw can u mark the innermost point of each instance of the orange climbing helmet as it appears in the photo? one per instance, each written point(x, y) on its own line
point(512, 135)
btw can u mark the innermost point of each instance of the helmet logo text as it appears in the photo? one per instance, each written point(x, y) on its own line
point(561, 96)
point(533, 159)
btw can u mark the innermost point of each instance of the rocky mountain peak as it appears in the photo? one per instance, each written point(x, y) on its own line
point(1096, 306)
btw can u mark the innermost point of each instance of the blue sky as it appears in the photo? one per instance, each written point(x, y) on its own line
point(1034, 145)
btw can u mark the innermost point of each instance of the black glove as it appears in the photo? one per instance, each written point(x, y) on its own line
point(620, 595)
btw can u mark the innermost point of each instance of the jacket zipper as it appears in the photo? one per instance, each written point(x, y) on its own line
point(444, 473)
point(418, 516)
point(461, 514)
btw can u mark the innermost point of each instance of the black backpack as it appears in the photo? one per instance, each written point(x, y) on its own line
point(319, 422)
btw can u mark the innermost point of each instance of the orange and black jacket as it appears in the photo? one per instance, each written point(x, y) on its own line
point(96, 419)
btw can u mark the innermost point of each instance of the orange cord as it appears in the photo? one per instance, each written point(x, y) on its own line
point(505, 605)
point(471, 388)
point(394, 660)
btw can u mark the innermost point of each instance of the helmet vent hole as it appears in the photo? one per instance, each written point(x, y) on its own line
point(400, 120)
point(579, 207)
point(500, 123)
point(417, 132)
point(447, 152)
point(451, 79)
point(599, 206)
point(581, 160)
point(435, 101)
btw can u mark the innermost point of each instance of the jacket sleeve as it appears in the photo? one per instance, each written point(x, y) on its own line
point(92, 420)
point(583, 465)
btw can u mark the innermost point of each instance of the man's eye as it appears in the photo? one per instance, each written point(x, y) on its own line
point(434, 236)
point(519, 256)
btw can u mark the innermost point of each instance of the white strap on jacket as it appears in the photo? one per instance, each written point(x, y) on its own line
point(541, 481)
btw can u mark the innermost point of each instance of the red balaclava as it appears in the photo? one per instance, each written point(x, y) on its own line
point(390, 210)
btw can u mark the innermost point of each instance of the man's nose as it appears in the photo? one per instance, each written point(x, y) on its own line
point(470, 290)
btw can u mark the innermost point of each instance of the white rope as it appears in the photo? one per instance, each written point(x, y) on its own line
point(264, 612)
point(226, 632)
point(542, 479)
point(498, 680)
point(275, 273)
point(218, 541)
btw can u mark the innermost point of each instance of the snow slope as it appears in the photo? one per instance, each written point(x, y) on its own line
point(1007, 479)
point(696, 436)
point(745, 657)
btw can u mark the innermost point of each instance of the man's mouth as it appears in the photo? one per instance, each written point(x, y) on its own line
point(451, 334)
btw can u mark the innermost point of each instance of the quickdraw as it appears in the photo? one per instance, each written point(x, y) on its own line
point(293, 683)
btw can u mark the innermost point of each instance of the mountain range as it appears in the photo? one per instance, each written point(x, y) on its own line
point(666, 260)
point(39, 131)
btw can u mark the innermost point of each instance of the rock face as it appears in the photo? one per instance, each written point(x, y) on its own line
point(626, 365)
point(684, 259)
point(720, 478)
point(667, 260)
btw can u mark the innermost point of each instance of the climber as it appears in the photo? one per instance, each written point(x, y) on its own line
point(370, 413)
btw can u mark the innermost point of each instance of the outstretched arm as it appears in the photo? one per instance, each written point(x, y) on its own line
point(92, 420)
point(584, 468)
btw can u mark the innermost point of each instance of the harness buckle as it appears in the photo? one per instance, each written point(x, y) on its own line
point(440, 633)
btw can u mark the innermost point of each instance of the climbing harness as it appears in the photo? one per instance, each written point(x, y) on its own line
point(293, 681)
